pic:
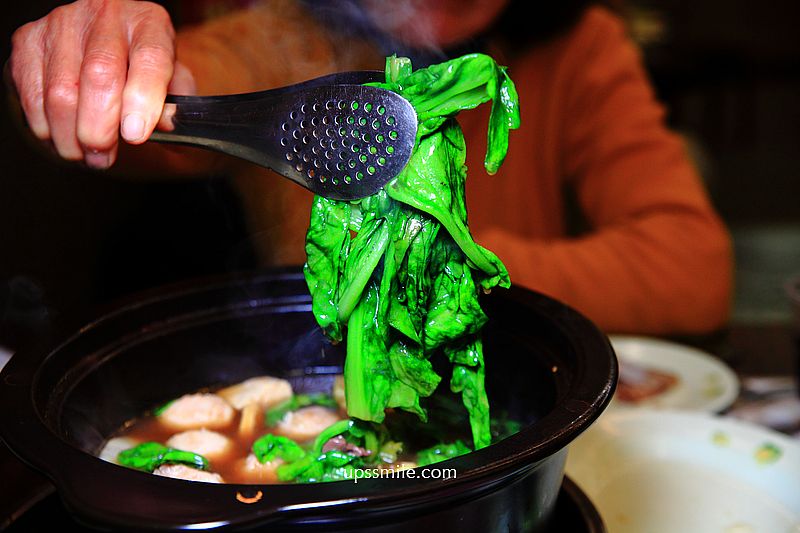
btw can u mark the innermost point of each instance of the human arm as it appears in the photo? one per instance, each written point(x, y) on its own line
point(91, 70)
point(85, 67)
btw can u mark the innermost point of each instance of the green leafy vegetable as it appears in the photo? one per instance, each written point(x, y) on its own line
point(330, 466)
point(314, 464)
point(158, 411)
point(271, 447)
point(406, 286)
point(441, 452)
point(150, 455)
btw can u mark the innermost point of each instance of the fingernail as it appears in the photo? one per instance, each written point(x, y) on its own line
point(132, 127)
point(97, 159)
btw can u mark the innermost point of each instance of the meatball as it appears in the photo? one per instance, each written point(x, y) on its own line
point(306, 423)
point(255, 471)
point(265, 391)
point(194, 411)
point(209, 444)
point(187, 473)
point(114, 446)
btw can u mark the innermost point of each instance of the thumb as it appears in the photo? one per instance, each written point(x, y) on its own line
point(182, 81)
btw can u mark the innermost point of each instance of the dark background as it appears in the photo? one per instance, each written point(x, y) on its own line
point(729, 72)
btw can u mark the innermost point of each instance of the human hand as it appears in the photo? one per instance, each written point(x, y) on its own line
point(93, 70)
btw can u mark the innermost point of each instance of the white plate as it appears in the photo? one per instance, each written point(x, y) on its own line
point(705, 383)
point(662, 471)
point(5, 356)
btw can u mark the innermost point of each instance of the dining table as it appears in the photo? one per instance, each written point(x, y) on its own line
point(763, 356)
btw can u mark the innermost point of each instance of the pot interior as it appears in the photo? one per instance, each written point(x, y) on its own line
point(155, 362)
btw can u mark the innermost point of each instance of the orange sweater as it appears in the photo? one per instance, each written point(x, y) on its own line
point(657, 259)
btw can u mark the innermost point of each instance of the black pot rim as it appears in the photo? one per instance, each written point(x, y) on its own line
point(29, 437)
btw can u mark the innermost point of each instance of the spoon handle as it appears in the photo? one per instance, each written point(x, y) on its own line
point(331, 135)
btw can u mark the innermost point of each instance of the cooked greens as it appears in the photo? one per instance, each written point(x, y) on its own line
point(317, 462)
point(399, 270)
point(150, 455)
point(441, 452)
point(397, 277)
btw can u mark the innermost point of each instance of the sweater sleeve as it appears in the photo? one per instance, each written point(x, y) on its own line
point(658, 258)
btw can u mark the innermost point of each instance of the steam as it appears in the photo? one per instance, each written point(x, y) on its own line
point(402, 27)
point(405, 20)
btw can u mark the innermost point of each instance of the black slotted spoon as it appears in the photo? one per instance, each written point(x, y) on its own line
point(331, 135)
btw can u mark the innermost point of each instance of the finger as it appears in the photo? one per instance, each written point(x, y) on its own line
point(62, 61)
point(102, 78)
point(182, 83)
point(151, 62)
point(27, 71)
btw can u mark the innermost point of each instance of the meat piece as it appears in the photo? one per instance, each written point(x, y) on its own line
point(255, 471)
point(194, 411)
point(114, 446)
point(306, 423)
point(209, 444)
point(187, 473)
point(340, 443)
point(265, 391)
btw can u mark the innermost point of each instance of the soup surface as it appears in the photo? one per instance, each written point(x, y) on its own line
point(261, 431)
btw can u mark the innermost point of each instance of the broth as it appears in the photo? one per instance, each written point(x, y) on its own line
point(256, 431)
